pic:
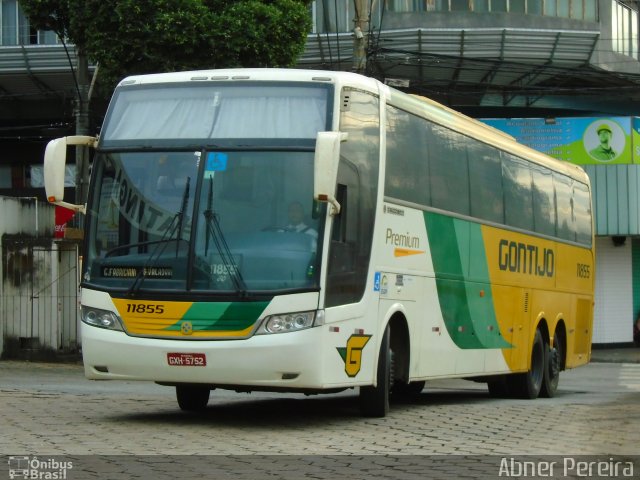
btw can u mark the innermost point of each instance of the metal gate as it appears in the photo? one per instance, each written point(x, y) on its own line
point(40, 290)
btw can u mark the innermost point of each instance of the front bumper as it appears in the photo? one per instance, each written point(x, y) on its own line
point(289, 360)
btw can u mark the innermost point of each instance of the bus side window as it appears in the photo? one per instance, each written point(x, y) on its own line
point(350, 249)
point(582, 213)
point(566, 227)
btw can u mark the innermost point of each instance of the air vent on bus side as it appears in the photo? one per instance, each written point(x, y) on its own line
point(344, 105)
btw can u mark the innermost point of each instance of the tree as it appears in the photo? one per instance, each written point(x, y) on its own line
point(140, 36)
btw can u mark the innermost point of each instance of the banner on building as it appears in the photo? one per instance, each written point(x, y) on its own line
point(635, 138)
point(580, 140)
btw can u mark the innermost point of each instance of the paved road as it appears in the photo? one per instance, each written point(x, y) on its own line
point(50, 410)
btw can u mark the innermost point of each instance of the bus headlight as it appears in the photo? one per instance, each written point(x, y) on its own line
point(291, 322)
point(101, 318)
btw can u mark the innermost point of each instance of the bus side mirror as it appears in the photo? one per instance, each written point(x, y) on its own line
point(55, 157)
point(326, 161)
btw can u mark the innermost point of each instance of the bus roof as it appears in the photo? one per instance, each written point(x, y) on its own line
point(256, 74)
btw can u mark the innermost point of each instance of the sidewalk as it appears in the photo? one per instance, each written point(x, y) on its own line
point(616, 355)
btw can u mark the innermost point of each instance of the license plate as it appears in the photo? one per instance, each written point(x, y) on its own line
point(187, 359)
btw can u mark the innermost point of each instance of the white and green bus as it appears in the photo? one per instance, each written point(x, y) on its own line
point(310, 231)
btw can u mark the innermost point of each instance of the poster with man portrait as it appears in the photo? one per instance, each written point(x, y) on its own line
point(579, 140)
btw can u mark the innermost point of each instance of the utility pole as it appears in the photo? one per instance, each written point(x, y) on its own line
point(81, 112)
point(360, 38)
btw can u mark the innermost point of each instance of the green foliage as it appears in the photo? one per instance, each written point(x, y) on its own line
point(261, 34)
point(141, 36)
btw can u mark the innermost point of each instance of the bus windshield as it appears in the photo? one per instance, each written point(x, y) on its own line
point(224, 221)
point(207, 186)
point(205, 113)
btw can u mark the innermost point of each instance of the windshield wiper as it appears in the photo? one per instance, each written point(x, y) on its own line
point(174, 228)
point(129, 246)
point(214, 231)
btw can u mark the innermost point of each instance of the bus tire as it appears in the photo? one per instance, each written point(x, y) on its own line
point(192, 398)
point(528, 385)
point(552, 368)
point(498, 387)
point(407, 390)
point(374, 401)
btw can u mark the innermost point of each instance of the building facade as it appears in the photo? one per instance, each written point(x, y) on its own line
point(540, 61)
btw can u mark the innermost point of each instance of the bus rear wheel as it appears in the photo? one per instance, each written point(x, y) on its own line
point(528, 385)
point(374, 401)
point(192, 398)
point(498, 387)
point(555, 355)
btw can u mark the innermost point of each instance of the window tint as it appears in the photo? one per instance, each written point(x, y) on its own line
point(516, 6)
point(407, 157)
point(563, 9)
point(349, 251)
point(582, 212)
point(564, 204)
point(534, 7)
point(579, 9)
point(590, 10)
point(459, 5)
point(550, 7)
point(433, 166)
point(481, 5)
point(499, 5)
point(485, 171)
point(544, 204)
point(518, 204)
point(448, 170)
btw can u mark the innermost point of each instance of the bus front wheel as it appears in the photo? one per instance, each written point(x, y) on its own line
point(498, 387)
point(192, 398)
point(407, 390)
point(374, 401)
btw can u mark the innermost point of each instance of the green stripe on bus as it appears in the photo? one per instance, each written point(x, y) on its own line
point(221, 316)
point(460, 263)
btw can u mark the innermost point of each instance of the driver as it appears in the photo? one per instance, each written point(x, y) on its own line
point(296, 221)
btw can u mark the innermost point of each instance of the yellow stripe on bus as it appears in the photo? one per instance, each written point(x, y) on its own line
point(160, 313)
point(405, 252)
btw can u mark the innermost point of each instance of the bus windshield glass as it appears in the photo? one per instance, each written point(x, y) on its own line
point(207, 187)
point(224, 221)
point(207, 113)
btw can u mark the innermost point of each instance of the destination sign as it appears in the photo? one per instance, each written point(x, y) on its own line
point(134, 272)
